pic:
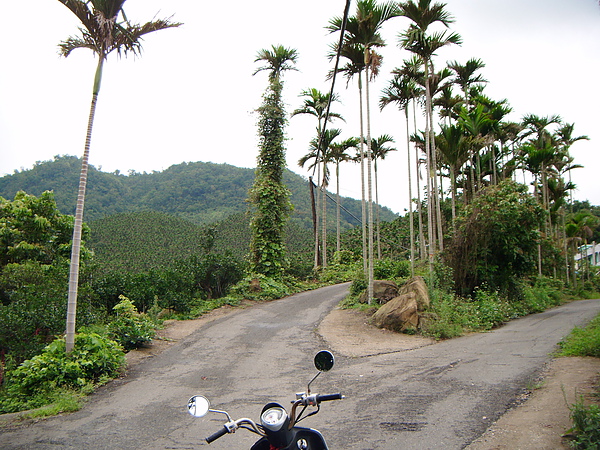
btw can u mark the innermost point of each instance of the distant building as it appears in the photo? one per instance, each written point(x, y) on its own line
point(591, 252)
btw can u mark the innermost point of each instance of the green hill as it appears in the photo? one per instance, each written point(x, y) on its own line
point(199, 192)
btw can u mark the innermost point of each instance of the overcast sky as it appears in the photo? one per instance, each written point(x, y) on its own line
point(191, 95)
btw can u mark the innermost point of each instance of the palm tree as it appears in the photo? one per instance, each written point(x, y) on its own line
point(413, 70)
point(379, 150)
point(354, 53)
point(416, 40)
point(465, 76)
point(105, 29)
point(320, 151)
point(363, 30)
point(453, 145)
point(269, 195)
point(316, 104)
point(565, 139)
point(338, 154)
point(401, 90)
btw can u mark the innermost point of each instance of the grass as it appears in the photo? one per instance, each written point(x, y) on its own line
point(585, 417)
point(583, 341)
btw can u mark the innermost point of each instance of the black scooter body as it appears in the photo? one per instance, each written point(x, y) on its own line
point(314, 440)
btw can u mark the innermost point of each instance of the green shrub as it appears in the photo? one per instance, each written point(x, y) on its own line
point(340, 273)
point(388, 269)
point(358, 285)
point(261, 287)
point(586, 425)
point(131, 329)
point(42, 379)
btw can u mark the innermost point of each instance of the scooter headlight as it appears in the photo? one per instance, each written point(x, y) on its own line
point(273, 418)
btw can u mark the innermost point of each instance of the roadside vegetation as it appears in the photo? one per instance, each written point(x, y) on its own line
point(489, 248)
point(585, 413)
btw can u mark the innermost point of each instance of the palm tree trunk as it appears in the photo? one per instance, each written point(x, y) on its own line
point(378, 215)
point(429, 162)
point(369, 188)
point(422, 246)
point(324, 218)
point(362, 179)
point(78, 225)
point(337, 213)
point(410, 200)
point(315, 225)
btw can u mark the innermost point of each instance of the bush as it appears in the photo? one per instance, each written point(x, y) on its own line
point(388, 269)
point(93, 360)
point(130, 329)
point(586, 425)
point(261, 287)
point(340, 273)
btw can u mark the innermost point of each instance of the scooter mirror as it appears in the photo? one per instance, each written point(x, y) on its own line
point(198, 406)
point(324, 361)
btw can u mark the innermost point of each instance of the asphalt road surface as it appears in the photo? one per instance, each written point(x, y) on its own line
point(441, 396)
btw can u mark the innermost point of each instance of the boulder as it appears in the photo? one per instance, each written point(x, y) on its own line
point(402, 313)
point(383, 292)
point(417, 286)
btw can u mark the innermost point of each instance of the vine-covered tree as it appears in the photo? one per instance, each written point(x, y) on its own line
point(269, 195)
point(105, 29)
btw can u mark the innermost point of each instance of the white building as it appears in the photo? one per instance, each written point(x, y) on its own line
point(591, 252)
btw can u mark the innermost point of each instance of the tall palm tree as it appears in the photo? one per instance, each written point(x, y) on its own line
point(316, 104)
point(105, 29)
point(338, 155)
point(566, 139)
point(363, 29)
point(401, 90)
point(416, 40)
point(320, 151)
point(379, 150)
point(269, 195)
point(453, 145)
point(354, 53)
point(413, 70)
point(465, 76)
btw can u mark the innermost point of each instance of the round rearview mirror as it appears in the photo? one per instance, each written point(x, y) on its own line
point(324, 361)
point(198, 406)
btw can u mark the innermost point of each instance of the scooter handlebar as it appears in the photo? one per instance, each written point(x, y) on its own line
point(213, 437)
point(328, 397)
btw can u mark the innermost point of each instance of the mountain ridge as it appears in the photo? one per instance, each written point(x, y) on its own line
point(201, 192)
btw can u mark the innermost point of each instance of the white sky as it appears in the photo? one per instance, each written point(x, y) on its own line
point(191, 95)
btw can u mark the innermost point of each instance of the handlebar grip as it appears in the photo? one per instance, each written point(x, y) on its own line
point(327, 397)
point(217, 435)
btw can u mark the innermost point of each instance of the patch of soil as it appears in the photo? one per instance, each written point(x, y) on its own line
point(543, 419)
point(349, 333)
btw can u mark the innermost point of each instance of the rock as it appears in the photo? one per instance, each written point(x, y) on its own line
point(383, 292)
point(419, 288)
point(402, 313)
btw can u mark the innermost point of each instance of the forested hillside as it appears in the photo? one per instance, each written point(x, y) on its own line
point(139, 241)
point(199, 192)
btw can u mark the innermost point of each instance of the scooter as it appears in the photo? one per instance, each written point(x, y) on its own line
point(277, 429)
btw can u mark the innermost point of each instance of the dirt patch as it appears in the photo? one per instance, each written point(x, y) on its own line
point(349, 333)
point(542, 420)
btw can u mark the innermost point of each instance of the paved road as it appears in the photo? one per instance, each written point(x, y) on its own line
point(437, 397)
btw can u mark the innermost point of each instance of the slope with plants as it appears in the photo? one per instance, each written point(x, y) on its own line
point(197, 191)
